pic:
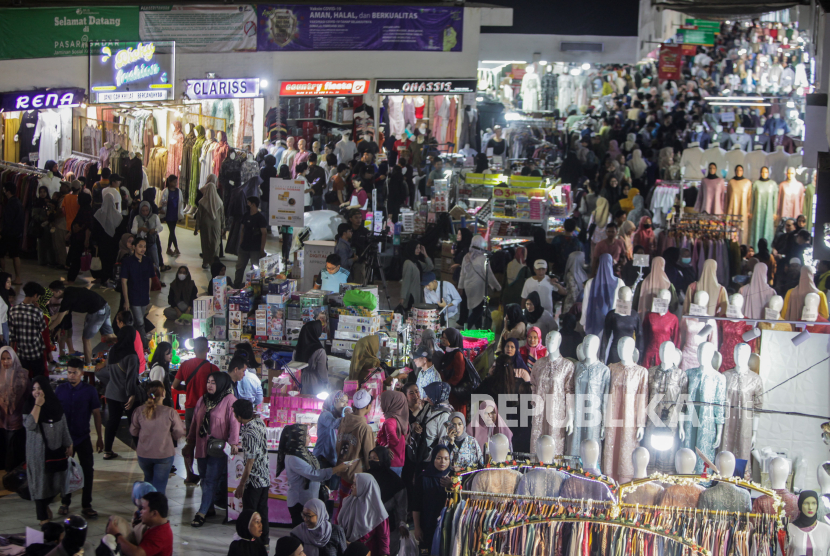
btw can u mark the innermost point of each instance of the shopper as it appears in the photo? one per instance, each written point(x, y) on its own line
point(319, 536)
point(393, 494)
point(434, 425)
point(213, 421)
point(80, 404)
point(514, 326)
point(252, 243)
point(536, 315)
point(424, 370)
point(255, 482)
point(171, 211)
point(157, 539)
point(310, 350)
point(160, 369)
point(611, 245)
point(575, 278)
point(333, 276)
point(599, 297)
point(105, 227)
point(453, 366)
point(644, 236)
point(11, 233)
point(515, 276)
point(210, 219)
point(443, 293)
point(157, 427)
point(249, 541)
point(6, 296)
point(415, 263)
point(363, 515)
point(16, 387)
point(46, 446)
point(80, 233)
point(290, 545)
point(534, 349)
point(183, 292)
point(364, 357)
point(395, 429)
point(147, 225)
point(246, 384)
point(83, 300)
point(471, 281)
point(464, 450)
point(343, 248)
point(355, 439)
point(430, 496)
point(26, 326)
point(136, 281)
point(120, 375)
point(325, 450)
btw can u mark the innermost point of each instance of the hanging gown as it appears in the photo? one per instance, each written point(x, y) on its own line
point(725, 497)
point(731, 333)
point(739, 201)
point(657, 329)
point(711, 197)
point(689, 330)
point(619, 326)
point(807, 207)
point(764, 206)
point(591, 385)
point(553, 379)
point(709, 387)
point(681, 496)
point(790, 199)
point(397, 122)
point(744, 392)
point(669, 385)
point(437, 120)
point(627, 404)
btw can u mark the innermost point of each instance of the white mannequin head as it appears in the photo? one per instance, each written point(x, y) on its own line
point(625, 294)
point(590, 347)
point(717, 360)
point(545, 449)
point(664, 294)
point(776, 303)
point(790, 173)
point(705, 352)
point(742, 352)
point(640, 457)
point(701, 298)
point(823, 475)
point(625, 349)
point(726, 463)
point(552, 342)
point(811, 301)
point(779, 469)
point(530, 69)
point(589, 452)
point(580, 353)
point(668, 355)
point(737, 300)
point(499, 446)
point(685, 461)
point(755, 363)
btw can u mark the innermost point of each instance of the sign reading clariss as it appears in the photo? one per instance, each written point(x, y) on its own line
point(222, 88)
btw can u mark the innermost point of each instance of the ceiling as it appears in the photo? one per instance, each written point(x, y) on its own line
point(728, 9)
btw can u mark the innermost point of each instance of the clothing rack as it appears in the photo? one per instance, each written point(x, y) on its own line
point(76, 154)
point(707, 223)
point(22, 168)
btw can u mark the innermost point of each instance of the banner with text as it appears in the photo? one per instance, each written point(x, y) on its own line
point(51, 32)
point(201, 28)
point(303, 27)
point(669, 63)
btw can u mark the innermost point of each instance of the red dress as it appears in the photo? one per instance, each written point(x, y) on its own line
point(657, 329)
point(818, 329)
point(731, 333)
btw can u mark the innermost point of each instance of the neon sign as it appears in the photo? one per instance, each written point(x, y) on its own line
point(132, 71)
point(53, 98)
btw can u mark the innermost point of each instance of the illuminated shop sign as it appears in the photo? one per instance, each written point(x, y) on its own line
point(425, 86)
point(36, 100)
point(324, 88)
point(222, 88)
point(131, 71)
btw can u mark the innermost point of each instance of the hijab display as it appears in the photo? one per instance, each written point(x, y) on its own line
point(757, 293)
point(708, 282)
point(794, 301)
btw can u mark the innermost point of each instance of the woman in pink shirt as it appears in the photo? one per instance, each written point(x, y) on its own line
point(157, 426)
point(213, 418)
point(395, 429)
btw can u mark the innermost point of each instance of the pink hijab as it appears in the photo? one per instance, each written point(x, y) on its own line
point(614, 149)
point(533, 351)
point(482, 432)
point(644, 237)
point(757, 293)
point(805, 285)
point(656, 280)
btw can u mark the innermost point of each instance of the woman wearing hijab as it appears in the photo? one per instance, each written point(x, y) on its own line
point(514, 325)
point(600, 296)
point(600, 218)
point(104, 226)
point(327, 424)
point(680, 275)
point(183, 292)
point(464, 449)
point(126, 246)
point(637, 165)
point(392, 493)
point(430, 495)
point(120, 374)
point(487, 422)
point(47, 439)
point(415, 263)
point(539, 248)
point(644, 236)
point(614, 149)
point(476, 277)
point(807, 535)
point(80, 232)
point(15, 388)
point(364, 357)
point(452, 365)
point(209, 219)
point(315, 377)
point(757, 293)
point(708, 283)
point(437, 394)
point(147, 225)
point(515, 277)
point(764, 256)
point(535, 348)
point(319, 536)
point(363, 515)
point(537, 316)
point(249, 530)
point(626, 233)
point(160, 368)
point(575, 278)
point(213, 418)
point(464, 238)
point(626, 204)
point(650, 287)
point(290, 545)
point(394, 432)
point(510, 376)
point(794, 300)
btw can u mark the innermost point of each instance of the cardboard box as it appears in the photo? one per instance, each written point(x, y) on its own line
point(446, 248)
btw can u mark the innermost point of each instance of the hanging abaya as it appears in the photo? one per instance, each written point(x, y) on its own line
point(237, 208)
point(764, 205)
point(211, 215)
point(739, 201)
point(104, 233)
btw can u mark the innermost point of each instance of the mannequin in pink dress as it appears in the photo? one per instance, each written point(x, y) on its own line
point(689, 329)
point(301, 156)
point(790, 196)
point(657, 329)
point(711, 197)
point(437, 120)
point(731, 332)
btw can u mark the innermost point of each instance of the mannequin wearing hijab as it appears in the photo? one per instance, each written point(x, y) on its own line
point(315, 377)
point(794, 300)
point(319, 536)
point(249, 530)
point(363, 515)
point(806, 534)
point(708, 282)
point(209, 218)
point(757, 293)
point(739, 200)
point(711, 197)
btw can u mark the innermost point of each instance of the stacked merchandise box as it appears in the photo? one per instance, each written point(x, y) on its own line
point(219, 353)
point(536, 207)
point(278, 292)
point(219, 326)
point(202, 313)
point(522, 207)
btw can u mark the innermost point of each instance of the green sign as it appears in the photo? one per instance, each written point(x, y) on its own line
point(696, 36)
point(52, 32)
point(705, 25)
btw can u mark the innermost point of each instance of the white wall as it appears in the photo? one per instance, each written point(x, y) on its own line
point(499, 46)
point(657, 26)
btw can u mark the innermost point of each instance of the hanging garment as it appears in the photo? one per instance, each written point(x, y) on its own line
point(709, 387)
point(156, 166)
point(26, 133)
point(657, 329)
point(681, 496)
point(469, 129)
point(185, 163)
point(764, 206)
point(409, 111)
point(627, 402)
point(496, 481)
point(689, 331)
point(550, 88)
point(618, 326)
point(592, 383)
point(725, 497)
point(667, 386)
point(739, 202)
point(808, 207)
point(744, 392)
point(397, 123)
point(646, 494)
point(47, 134)
point(11, 148)
point(541, 482)
point(195, 164)
point(790, 199)
point(711, 197)
point(692, 161)
point(531, 86)
point(715, 154)
point(553, 379)
point(764, 504)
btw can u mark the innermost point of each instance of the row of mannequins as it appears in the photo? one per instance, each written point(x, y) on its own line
point(43, 135)
point(695, 160)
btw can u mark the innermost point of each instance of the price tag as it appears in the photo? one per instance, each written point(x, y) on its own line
point(660, 306)
point(697, 310)
point(641, 260)
point(623, 307)
point(733, 312)
point(809, 314)
point(771, 314)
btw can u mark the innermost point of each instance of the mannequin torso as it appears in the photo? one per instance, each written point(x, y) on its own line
point(591, 379)
point(552, 377)
point(705, 385)
point(669, 382)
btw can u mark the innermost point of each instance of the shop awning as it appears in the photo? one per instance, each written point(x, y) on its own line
point(731, 9)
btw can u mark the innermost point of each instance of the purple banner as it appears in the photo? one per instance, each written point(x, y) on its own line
point(304, 27)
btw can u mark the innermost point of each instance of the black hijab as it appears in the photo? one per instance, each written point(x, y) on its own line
point(538, 309)
point(52, 410)
point(354, 549)
point(309, 341)
point(735, 177)
point(462, 247)
point(293, 442)
point(432, 476)
point(763, 251)
point(124, 347)
point(409, 254)
point(514, 315)
point(712, 176)
point(149, 195)
point(389, 482)
point(802, 521)
point(224, 387)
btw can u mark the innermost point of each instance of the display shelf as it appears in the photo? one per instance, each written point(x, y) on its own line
point(319, 119)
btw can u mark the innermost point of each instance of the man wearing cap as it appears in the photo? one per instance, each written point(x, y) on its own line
point(441, 293)
point(355, 440)
point(334, 275)
point(425, 372)
point(541, 284)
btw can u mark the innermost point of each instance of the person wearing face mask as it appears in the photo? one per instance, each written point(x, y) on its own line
point(678, 268)
point(644, 236)
point(183, 292)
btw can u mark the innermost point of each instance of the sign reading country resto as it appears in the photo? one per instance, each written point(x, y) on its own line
point(354, 27)
point(324, 88)
point(50, 32)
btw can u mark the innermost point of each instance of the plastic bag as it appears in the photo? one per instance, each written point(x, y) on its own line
point(408, 546)
point(360, 298)
point(86, 261)
point(74, 477)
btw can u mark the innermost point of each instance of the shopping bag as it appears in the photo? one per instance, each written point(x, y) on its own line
point(95, 265)
point(408, 546)
point(86, 261)
point(74, 477)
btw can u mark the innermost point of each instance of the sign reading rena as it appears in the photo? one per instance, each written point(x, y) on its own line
point(222, 88)
point(36, 100)
point(435, 86)
point(324, 88)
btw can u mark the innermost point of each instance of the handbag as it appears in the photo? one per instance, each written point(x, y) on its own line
point(469, 383)
point(55, 461)
point(216, 448)
point(86, 261)
point(95, 264)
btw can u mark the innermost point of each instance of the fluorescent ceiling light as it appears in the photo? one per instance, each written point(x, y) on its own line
point(503, 62)
point(586, 66)
point(753, 104)
point(734, 98)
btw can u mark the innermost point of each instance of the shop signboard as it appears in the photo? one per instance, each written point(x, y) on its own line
point(713, 26)
point(345, 87)
point(246, 87)
point(696, 36)
point(53, 32)
point(131, 72)
point(425, 86)
point(201, 28)
point(689, 49)
point(286, 207)
point(287, 27)
point(36, 100)
point(669, 62)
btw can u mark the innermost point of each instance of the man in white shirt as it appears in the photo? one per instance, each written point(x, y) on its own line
point(540, 283)
point(449, 298)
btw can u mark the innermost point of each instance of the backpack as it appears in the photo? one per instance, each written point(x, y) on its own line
point(417, 447)
point(469, 383)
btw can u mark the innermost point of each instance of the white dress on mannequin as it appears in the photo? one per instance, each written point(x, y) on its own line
point(396, 119)
point(531, 86)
